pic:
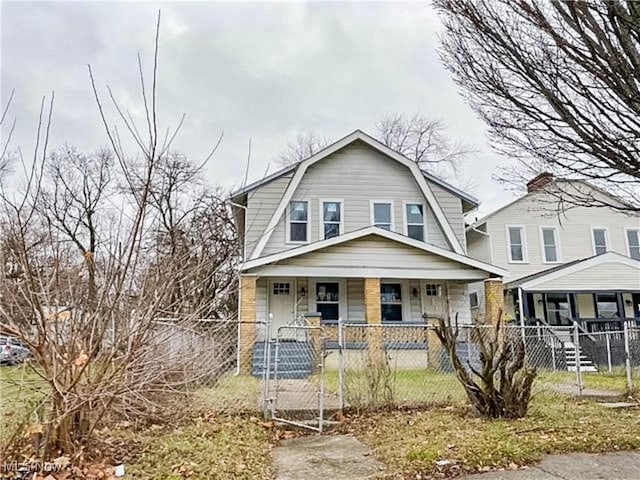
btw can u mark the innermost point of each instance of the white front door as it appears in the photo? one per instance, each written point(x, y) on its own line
point(434, 302)
point(282, 293)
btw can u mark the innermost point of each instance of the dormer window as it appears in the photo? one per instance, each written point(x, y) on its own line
point(298, 222)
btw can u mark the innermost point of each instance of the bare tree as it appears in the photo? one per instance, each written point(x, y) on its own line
point(88, 286)
point(416, 137)
point(558, 84)
point(305, 145)
point(424, 141)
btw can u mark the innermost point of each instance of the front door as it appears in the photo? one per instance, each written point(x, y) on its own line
point(281, 303)
point(434, 302)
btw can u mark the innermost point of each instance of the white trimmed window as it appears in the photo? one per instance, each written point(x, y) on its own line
point(382, 214)
point(331, 213)
point(415, 220)
point(516, 245)
point(550, 244)
point(633, 242)
point(600, 238)
point(298, 231)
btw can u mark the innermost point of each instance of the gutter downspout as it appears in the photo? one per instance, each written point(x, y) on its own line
point(240, 268)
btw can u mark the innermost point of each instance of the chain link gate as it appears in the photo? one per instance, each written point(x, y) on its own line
point(294, 376)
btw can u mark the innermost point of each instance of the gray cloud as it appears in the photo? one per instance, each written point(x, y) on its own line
point(264, 71)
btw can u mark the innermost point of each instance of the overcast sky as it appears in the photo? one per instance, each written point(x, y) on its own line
point(259, 71)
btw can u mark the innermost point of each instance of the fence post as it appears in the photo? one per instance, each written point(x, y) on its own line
point(576, 347)
point(627, 356)
point(608, 352)
point(266, 368)
point(553, 349)
point(340, 363)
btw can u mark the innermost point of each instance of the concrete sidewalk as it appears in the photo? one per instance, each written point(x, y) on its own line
point(574, 466)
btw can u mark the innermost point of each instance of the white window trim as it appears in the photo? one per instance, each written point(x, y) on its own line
point(342, 295)
point(405, 292)
point(525, 249)
point(626, 238)
point(372, 215)
point(405, 223)
point(321, 216)
point(556, 237)
point(606, 238)
point(288, 225)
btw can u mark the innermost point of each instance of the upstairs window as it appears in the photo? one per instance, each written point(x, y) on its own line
point(517, 247)
point(599, 236)
point(332, 218)
point(550, 248)
point(633, 243)
point(382, 214)
point(415, 221)
point(298, 222)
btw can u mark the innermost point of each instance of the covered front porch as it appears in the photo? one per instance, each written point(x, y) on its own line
point(372, 277)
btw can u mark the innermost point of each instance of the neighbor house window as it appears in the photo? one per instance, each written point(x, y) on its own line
point(599, 240)
point(382, 214)
point(517, 247)
point(331, 218)
point(633, 243)
point(606, 305)
point(298, 221)
point(415, 221)
point(391, 302)
point(328, 300)
point(550, 248)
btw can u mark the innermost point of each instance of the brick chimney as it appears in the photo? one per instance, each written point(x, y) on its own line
point(539, 181)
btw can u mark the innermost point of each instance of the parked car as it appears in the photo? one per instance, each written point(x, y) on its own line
point(12, 351)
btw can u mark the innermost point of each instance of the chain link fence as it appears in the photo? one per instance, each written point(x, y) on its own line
point(400, 365)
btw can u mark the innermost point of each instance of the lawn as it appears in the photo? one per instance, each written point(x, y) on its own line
point(411, 443)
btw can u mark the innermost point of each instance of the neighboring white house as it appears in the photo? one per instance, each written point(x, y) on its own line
point(564, 262)
point(358, 232)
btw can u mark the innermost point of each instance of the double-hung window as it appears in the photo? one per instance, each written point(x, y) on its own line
point(331, 212)
point(298, 222)
point(516, 244)
point(382, 214)
point(415, 220)
point(550, 244)
point(633, 242)
point(600, 240)
point(328, 300)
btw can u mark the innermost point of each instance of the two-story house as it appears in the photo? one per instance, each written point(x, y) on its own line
point(564, 262)
point(358, 232)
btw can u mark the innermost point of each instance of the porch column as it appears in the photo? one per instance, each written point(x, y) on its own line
point(314, 319)
point(373, 316)
point(493, 300)
point(247, 327)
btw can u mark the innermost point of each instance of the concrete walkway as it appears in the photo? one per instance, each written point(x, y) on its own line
point(324, 457)
point(572, 389)
point(574, 466)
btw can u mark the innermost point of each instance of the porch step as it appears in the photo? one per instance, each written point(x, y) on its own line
point(572, 354)
point(295, 359)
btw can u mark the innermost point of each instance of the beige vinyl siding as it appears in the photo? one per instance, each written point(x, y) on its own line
point(606, 276)
point(355, 300)
point(261, 204)
point(479, 246)
point(376, 252)
point(574, 232)
point(358, 174)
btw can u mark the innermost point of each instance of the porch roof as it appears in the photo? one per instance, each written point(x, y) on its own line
point(372, 252)
point(608, 271)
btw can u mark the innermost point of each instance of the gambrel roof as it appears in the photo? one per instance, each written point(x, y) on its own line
point(300, 169)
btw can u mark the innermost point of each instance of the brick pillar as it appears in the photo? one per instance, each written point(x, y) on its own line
point(316, 338)
point(373, 316)
point(247, 323)
point(434, 350)
point(493, 300)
